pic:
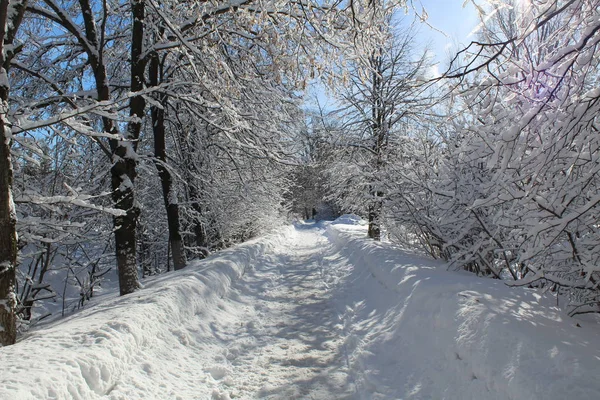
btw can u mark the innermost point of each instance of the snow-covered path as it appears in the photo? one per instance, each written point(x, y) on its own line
point(286, 344)
point(311, 312)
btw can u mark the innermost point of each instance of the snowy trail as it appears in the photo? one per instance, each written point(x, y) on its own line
point(311, 312)
point(296, 350)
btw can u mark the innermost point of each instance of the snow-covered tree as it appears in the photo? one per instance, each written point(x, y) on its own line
point(385, 92)
point(58, 238)
point(11, 15)
point(530, 143)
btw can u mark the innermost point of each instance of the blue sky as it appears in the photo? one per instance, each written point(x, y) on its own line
point(450, 17)
point(452, 22)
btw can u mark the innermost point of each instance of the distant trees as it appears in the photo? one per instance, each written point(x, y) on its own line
point(314, 151)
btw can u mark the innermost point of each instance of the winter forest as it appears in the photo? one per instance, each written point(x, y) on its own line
point(141, 136)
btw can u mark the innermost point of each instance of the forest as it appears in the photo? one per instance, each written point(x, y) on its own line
point(139, 135)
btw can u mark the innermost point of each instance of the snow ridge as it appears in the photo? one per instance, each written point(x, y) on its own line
point(94, 352)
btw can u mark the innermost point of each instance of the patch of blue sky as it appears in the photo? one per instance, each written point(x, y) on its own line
point(448, 26)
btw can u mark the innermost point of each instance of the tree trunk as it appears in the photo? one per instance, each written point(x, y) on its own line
point(374, 231)
point(199, 228)
point(123, 171)
point(9, 23)
point(122, 179)
point(8, 233)
point(122, 152)
point(379, 136)
point(200, 239)
point(166, 179)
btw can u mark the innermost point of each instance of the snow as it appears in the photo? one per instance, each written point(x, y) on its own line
point(126, 183)
point(313, 311)
point(348, 219)
point(429, 333)
point(4, 79)
point(77, 199)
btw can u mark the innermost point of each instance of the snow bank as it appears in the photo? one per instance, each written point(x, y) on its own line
point(348, 219)
point(416, 331)
point(147, 343)
point(313, 318)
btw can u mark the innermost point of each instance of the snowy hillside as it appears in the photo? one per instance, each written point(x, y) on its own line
point(313, 312)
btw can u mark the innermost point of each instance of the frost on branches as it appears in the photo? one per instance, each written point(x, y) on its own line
point(381, 102)
point(527, 153)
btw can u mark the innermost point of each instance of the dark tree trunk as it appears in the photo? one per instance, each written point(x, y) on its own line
point(8, 234)
point(8, 217)
point(123, 171)
point(166, 179)
point(374, 231)
point(201, 239)
point(122, 180)
point(122, 152)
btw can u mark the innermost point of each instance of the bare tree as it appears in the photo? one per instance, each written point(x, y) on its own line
point(385, 91)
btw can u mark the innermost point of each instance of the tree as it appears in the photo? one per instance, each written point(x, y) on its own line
point(531, 138)
point(11, 15)
point(385, 92)
point(313, 150)
point(88, 43)
point(156, 75)
point(58, 240)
